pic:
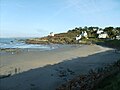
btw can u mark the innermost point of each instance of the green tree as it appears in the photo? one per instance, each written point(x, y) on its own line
point(110, 31)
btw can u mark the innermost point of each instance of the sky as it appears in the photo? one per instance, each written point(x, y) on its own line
point(37, 18)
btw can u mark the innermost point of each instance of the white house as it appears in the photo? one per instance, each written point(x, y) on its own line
point(94, 29)
point(78, 37)
point(103, 35)
point(84, 34)
point(118, 37)
point(99, 31)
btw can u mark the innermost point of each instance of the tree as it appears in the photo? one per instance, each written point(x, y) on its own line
point(117, 29)
point(85, 28)
point(110, 31)
point(90, 28)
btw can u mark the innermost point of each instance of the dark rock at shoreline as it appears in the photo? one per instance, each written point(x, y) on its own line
point(5, 51)
point(9, 49)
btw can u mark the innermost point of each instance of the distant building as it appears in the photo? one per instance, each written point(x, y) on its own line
point(51, 34)
point(94, 29)
point(99, 31)
point(118, 37)
point(103, 35)
point(78, 37)
point(83, 34)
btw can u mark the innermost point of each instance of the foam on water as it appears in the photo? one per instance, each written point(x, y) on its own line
point(15, 43)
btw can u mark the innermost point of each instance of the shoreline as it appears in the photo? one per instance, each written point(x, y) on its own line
point(23, 49)
point(59, 65)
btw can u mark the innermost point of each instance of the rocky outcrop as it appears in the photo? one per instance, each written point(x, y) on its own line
point(51, 39)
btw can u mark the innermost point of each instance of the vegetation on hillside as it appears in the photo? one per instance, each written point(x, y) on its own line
point(69, 36)
point(113, 43)
point(110, 83)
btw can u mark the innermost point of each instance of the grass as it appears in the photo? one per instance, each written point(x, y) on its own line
point(113, 43)
point(110, 83)
point(106, 78)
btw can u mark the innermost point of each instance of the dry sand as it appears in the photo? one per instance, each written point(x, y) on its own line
point(61, 65)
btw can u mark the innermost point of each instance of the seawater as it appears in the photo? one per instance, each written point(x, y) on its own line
point(20, 43)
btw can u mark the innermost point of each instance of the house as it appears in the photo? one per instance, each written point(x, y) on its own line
point(94, 29)
point(84, 34)
point(103, 35)
point(99, 31)
point(78, 37)
point(118, 37)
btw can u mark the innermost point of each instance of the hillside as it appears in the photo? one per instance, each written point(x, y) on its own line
point(69, 37)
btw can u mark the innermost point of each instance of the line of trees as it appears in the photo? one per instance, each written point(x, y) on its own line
point(111, 31)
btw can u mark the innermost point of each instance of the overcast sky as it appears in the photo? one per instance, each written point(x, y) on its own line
point(29, 18)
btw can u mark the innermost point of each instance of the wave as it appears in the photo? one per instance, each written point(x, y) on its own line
point(15, 43)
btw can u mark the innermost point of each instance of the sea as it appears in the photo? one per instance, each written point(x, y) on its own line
point(19, 43)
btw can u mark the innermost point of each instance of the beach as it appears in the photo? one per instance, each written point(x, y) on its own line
point(34, 59)
point(46, 70)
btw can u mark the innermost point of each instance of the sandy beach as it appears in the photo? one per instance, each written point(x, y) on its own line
point(43, 70)
point(35, 59)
